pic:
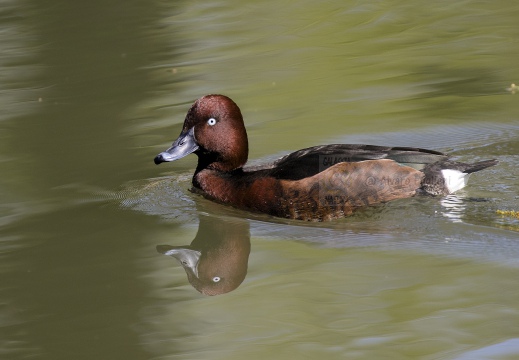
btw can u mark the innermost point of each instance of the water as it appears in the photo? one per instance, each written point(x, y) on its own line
point(92, 91)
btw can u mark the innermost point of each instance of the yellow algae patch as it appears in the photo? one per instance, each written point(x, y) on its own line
point(511, 213)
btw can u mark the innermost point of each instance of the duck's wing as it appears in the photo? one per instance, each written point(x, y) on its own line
point(310, 161)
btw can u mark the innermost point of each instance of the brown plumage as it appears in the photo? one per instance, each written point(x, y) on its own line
point(318, 183)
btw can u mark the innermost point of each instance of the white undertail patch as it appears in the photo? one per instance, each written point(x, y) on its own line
point(454, 179)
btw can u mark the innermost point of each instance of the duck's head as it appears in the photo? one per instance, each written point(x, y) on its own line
point(213, 130)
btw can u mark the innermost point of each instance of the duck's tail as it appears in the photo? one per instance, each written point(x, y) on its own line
point(447, 177)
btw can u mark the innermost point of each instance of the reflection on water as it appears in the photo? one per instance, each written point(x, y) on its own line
point(453, 207)
point(216, 260)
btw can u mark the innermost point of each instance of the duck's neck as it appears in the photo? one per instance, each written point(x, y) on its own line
point(214, 161)
point(218, 185)
point(242, 190)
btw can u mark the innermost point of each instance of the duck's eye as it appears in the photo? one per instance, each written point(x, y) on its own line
point(211, 121)
point(216, 279)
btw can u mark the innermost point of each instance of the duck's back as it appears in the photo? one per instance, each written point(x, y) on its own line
point(313, 160)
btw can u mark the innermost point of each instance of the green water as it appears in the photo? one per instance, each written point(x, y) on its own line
point(91, 91)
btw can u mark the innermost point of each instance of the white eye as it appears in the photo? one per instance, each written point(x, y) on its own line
point(211, 121)
point(216, 279)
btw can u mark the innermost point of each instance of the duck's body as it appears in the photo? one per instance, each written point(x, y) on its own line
point(317, 183)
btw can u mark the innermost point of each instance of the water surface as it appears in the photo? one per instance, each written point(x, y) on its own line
point(91, 91)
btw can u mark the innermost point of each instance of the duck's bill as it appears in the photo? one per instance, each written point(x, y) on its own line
point(187, 257)
point(183, 146)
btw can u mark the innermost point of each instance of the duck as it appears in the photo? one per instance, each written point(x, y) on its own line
point(319, 183)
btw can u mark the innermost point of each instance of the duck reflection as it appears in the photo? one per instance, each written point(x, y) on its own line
point(453, 207)
point(216, 260)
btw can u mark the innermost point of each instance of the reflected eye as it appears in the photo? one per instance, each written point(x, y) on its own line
point(216, 279)
point(211, 121)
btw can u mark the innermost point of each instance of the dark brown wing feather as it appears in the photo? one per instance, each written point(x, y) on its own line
point(308, 162)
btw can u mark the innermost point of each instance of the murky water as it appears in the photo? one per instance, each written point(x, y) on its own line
point(91, 91)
